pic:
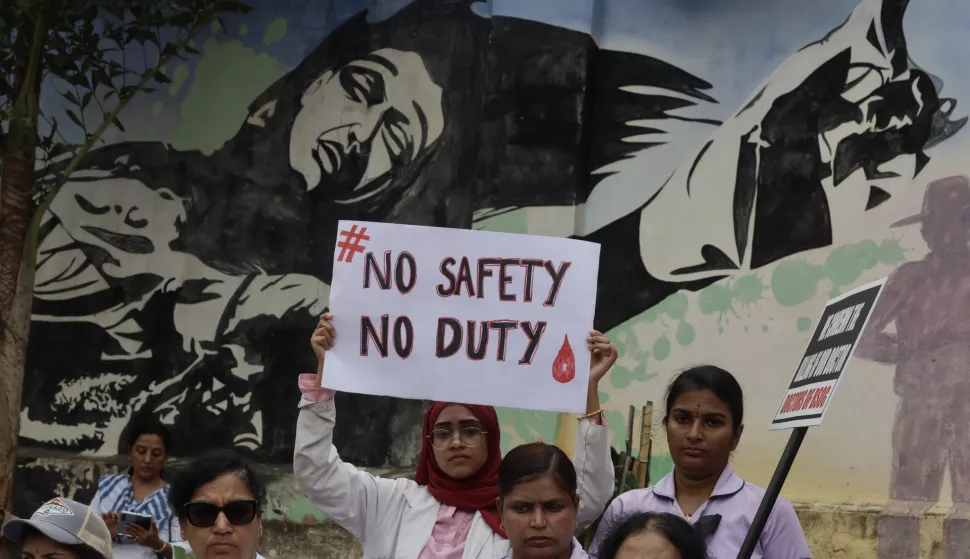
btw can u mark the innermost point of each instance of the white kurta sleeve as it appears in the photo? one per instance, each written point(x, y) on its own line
point(594, 470)
point(358, 501)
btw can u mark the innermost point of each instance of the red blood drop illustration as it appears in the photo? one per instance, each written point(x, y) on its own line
point(564, 366)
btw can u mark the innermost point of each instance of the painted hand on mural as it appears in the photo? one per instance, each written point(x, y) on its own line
point(844, 112)
point(107, 249)
point(847, 113)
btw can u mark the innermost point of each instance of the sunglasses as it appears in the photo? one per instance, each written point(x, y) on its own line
point(203, 515)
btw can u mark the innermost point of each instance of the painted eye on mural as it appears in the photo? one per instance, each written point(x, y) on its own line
point(363, 85)
point(90, 208)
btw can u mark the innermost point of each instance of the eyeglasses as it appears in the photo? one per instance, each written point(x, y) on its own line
point(469, 436)
point(203, 515)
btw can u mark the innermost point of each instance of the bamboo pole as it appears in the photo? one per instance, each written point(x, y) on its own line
point(646, 446)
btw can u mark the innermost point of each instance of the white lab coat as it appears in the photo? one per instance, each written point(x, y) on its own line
point(393, 518)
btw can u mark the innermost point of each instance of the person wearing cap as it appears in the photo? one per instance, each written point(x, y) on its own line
point(61, 529)
point(921, 327)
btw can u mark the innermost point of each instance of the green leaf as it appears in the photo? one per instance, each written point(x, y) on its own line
point(86, 99)
point(117, 122)
point(72, 98)
point(71, 114)
point(160, 77)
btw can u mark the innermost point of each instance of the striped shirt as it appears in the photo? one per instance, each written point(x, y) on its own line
point(116, 494)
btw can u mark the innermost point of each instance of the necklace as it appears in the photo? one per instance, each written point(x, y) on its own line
point(687, 516)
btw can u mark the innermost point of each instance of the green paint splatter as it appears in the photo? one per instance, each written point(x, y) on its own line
point(530, 425)
point(509, 222)
point(685, 333)
point(661, 348)
point(795, 281)
point(617, 424)
point(228, 77)
point(244, 30)
point(639, 373)
point(179, 76)
point(804, 324)
point(748, 289)
point(764, 327)
point(660, 466)
point(890, 252)
point(716, 299)
point(299, 510)
point(158, 108)
point(275, 31)
point(675, 306)
point(604, 397)
point(845, 264)
point(620, 377)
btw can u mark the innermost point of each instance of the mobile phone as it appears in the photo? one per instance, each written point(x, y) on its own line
point(126, 518)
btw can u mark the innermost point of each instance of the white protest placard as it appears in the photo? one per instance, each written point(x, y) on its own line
point(462, 316)
point(829, 351)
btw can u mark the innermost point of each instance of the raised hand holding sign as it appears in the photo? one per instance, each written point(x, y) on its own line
point(442, 314)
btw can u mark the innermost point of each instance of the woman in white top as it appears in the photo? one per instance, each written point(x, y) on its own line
point(449, 509)
point(143, 491)
point(538, 503)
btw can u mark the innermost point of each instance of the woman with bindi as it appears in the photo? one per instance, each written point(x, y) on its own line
point(704, 422)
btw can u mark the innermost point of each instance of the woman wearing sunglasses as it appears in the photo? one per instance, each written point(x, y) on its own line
point(219, 500)
point(450, 509)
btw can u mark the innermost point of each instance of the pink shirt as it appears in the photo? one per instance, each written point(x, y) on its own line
point(452, 526)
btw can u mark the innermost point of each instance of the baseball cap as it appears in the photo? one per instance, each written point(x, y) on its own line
point(66, 522)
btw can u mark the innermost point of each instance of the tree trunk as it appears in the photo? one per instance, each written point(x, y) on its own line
point(16, 187)
point(13, 356)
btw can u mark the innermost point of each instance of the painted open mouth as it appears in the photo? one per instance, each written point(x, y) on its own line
point(134, 244)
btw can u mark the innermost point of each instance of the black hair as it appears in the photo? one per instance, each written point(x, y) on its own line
point(149, 426)
point(532, 461)
point(689, 543)
point(146, 425)
point(207, 468)
point(713, 378)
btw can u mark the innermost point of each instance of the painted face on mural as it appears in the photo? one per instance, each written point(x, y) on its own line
point(459, 442)
point(700, 434)
point(360, 122)
point(119, 214)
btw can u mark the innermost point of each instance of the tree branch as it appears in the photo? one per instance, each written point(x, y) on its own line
point(109, 118)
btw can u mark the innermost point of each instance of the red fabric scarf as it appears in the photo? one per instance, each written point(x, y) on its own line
point(478, 492)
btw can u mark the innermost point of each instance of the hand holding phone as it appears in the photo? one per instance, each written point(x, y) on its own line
point(126, 518)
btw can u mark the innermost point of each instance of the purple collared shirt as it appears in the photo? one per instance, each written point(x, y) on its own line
point(735, 500)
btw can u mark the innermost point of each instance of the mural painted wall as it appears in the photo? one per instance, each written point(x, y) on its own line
point(739, 162)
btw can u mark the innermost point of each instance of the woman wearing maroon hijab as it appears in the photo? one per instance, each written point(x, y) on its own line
point(450, 508)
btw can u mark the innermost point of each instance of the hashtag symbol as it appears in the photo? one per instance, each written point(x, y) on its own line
point(351, 243)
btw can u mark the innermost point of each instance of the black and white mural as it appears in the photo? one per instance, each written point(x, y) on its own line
point(183, 284)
